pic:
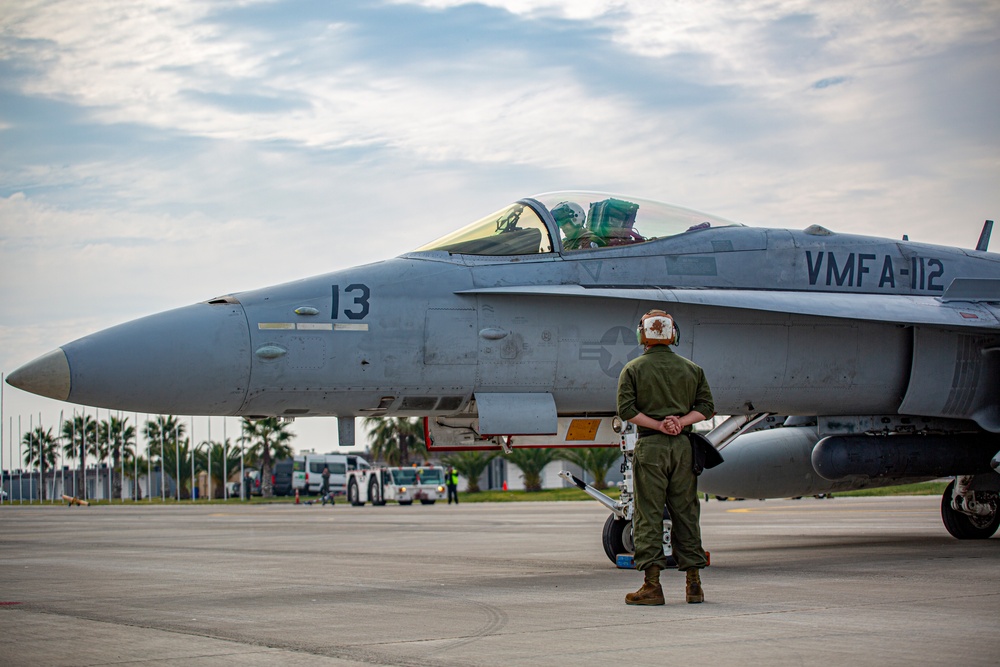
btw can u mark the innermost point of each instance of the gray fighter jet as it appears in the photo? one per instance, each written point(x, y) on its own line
point(846, 361)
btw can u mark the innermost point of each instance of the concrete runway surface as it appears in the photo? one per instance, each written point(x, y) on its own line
point(796, 582)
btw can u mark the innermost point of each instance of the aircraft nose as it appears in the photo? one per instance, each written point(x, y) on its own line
point(48, 376)
point(189, 361)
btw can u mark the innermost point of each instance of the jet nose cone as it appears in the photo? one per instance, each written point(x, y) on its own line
point(47, 376)
point(190, 361)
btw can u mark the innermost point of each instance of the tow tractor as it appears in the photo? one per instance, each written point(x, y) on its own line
point(404, 485)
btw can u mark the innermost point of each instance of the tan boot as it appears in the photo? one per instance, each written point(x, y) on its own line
point(694, 591)
point(651, 593)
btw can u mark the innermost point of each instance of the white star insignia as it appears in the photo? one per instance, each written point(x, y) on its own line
point(619, 351)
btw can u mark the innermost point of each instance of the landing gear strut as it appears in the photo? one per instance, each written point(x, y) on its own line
point(617, 536)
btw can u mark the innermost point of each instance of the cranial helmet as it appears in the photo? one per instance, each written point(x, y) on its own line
point(656, 328)
point(568, 212)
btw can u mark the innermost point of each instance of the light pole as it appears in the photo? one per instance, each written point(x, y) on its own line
point(163, 492)
point(135, 461)
point(225, 462)
point(31, 457)
point(243, 474)
point(193, 478)
point(209, 478)
point(177, 458)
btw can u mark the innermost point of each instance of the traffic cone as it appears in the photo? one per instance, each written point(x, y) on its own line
point(296, 496)
point(505, 485)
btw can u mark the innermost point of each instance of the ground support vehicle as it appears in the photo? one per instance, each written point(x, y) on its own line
point(404, 485)
point(307, 471)
point(281, 477)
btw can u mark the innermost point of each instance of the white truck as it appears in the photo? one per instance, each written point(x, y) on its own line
point(307, 471)
point(404, 485)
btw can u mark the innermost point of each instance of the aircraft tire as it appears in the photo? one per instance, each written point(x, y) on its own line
point(617, 538)
point(963, 526)
point(352, 494)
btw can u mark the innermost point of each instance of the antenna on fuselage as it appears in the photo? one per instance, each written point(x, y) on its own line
point(984, 238)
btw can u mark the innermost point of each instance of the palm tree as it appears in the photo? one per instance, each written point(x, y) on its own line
point(595, 460)
point(164, 433)
point(224, 458)
point(78, 433)
point(133, 464)
point(177, 463)
point(470, 465)
point(396, 439)
point(168, 426)
point(135, 467)
point(115, 434)
point(40, 450)
point(98, 449)
point(531, 461)
point(268, 439)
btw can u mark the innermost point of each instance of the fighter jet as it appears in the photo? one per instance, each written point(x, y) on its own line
point(844, 361)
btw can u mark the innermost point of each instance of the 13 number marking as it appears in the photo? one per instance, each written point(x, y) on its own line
point(360, 303)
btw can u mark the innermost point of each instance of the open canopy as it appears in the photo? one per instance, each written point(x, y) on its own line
point(572, 221)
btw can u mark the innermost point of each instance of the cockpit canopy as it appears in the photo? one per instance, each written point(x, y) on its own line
point(579, 221)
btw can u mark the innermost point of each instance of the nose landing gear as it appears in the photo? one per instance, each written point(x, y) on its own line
point(967, 513)
point(617, 536)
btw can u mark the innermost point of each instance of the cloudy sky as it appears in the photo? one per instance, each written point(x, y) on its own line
point(156, 153)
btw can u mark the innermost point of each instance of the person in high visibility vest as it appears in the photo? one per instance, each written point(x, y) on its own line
point(451, 480)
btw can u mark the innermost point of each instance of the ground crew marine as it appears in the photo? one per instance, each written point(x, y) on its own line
point(451, 480)
point(663, 394)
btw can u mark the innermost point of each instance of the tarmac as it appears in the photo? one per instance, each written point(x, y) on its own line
point(859, 581)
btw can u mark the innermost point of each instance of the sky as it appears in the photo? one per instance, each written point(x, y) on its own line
point(158, 153)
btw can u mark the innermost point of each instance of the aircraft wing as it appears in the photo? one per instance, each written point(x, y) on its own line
point(945, 310)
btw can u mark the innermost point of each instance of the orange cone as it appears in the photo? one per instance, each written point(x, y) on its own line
point(296, 496)
point(505, 485)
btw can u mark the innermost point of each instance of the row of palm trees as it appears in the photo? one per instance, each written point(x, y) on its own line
point(394, 440)
point(398, 440)
point(167, 449)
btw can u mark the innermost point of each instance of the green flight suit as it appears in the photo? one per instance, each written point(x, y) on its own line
point(660, 383)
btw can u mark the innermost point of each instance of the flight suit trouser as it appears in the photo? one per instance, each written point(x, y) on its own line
point(663, 477)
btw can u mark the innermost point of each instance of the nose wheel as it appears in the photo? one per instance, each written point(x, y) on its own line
point(617, 537)
point(970, 526)
point(618, 541)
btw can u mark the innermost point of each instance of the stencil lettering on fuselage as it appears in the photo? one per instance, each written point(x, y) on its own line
point(872, 270)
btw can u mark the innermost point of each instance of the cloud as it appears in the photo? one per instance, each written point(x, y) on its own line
point(642, 80)
point(830, 81)
point(617, 95)
point(158, 153)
